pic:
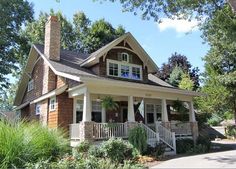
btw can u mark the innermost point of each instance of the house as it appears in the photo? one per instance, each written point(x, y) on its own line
point(62, 88)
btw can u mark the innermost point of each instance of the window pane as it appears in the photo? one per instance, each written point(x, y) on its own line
point(150, 118)
point(113, 69)
point(97, 117)
point(125, 57)
point(136, 73)
point(79, 116)
point(96, 106)
point(124, 71)
point(79, 105)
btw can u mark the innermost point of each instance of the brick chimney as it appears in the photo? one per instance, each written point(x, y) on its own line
point(52, 38)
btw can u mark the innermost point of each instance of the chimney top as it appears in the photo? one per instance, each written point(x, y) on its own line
point(52, 18)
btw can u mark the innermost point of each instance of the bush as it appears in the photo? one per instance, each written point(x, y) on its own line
point(206, 141)
point(138, 138)
point(95, 152)
point(156, 151)
point(83, 147)
point(198, 149)
point(214, 121)
point(22, 143)
point(184, 145)
point(117, 150)
point(231, 131)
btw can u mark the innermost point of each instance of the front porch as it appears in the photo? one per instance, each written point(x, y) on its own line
point(91, 121)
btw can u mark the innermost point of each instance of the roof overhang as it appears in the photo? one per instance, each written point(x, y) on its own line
point(137, 86)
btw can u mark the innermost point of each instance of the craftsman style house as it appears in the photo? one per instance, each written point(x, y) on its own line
point(62, 88)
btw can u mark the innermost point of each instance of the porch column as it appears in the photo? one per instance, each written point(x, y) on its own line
point(103, 115)
point(87, 107)
point(164, 115)
point(131, 117)
point(191, 112)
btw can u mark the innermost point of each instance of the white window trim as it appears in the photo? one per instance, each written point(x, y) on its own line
point(50, 108)
point(30, 85)
point(124, 53)
point(125, 64)
point(39, 106)
point(155, 112)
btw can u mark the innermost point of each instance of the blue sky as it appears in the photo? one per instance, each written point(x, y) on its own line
point(160, 41)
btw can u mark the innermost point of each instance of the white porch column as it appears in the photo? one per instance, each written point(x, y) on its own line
point(131, 117)
point(164, 115)
point(87, 107)
point(103, 115)
point(191, 112)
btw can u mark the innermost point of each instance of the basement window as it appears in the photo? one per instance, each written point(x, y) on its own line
point(52, 104)
point(30, 85)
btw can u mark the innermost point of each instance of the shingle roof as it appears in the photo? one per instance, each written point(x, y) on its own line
point(69, 62)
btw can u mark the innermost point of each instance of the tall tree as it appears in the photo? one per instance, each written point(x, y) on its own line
point(220, 33)
point(178, 60)
point(186, 83)
point(14, 13)
point(176, 76)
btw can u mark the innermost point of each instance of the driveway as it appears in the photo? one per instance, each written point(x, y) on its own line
point(226, 159)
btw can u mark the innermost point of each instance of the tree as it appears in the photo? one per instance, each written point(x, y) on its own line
point(220, 32)
point(178, 60)
point(176, 76)
point(186, 83)
point(14, 13)
point(182, 9)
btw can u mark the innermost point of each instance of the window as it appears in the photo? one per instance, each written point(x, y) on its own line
point(113, 69)
point(125, 57)
point(52, 104)
point(30, 85)
point(79, 110)
point(158, 112)
point(96, 111)
point(37, 109)
point(150, 113)
point(124, 71)
point(136, 73)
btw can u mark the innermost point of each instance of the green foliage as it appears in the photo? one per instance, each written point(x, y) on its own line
point(109, 104)
point(117, 150)
point(83, 147)
point(14, 14)
point(206, 141)
point(22, 142)
point(180, 108)
point(175, 76)
point(214, 121)
point(181, 9)
point(231, 131)
point(138, 138)
point(183, 145)
point(186, 83)
point(198, 149)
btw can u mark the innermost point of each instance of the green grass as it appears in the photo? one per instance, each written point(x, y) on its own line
point(23, 142)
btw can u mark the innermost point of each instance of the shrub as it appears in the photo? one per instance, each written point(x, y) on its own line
point(198, 149)
point(231, 130)
point(184, 145)
point(138, 138)
point(95, 151)
point(117, 150)
point(214, 121)
point(83, 147)
point(206, 141)
point(22, 143)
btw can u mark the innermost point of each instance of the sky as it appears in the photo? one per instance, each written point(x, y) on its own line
point(159, 40)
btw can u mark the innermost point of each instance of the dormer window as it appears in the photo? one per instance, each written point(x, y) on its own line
point(125, 57)
point(30, 85)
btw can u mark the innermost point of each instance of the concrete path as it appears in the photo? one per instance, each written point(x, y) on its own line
point(226, 159)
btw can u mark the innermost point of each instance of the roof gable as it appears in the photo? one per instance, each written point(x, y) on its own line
point(133, 43)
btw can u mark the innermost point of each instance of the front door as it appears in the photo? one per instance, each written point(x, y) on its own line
point(124, 113)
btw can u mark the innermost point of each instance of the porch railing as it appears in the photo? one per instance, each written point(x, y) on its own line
point(75, 131)
point(152, 136)
point(108, 130)
point(181, 128)
point(166, 136)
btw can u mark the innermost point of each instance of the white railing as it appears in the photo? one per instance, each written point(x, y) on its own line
point(75, 131)
point(152, 136)
point(166, 136)
point(181, 128)
point(109, 130)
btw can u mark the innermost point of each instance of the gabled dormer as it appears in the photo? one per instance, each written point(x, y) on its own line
point(122, 59)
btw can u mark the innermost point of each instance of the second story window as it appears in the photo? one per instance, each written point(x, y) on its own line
point(30, 85)
point(124, 70)
point(52, 104)
point(125, 57)
point(113, 69)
